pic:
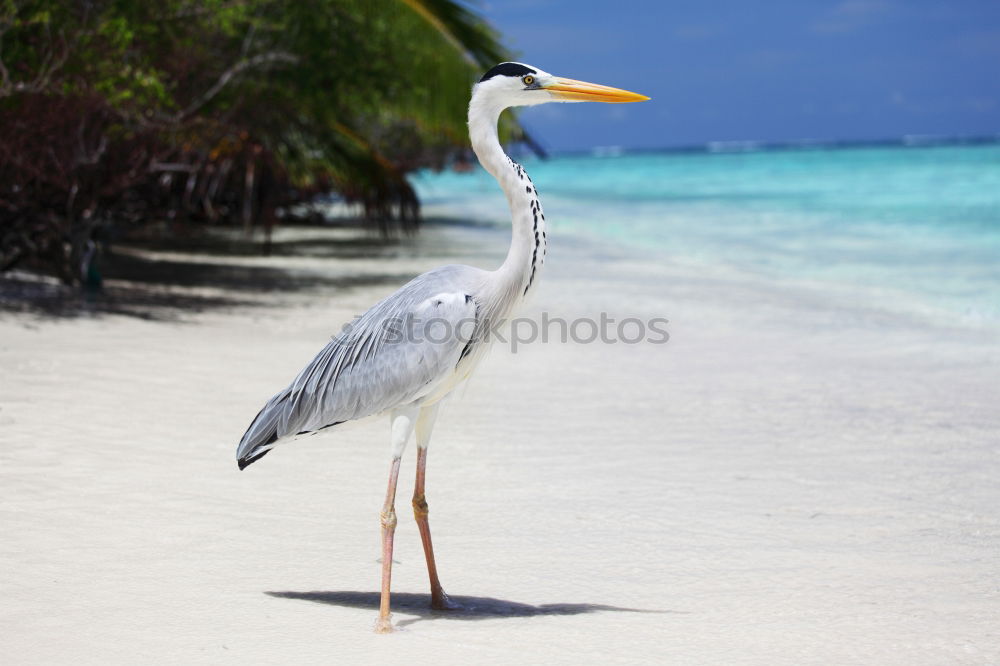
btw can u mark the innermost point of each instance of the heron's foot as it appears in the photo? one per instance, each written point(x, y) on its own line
point(383, 625)
point(441, 601)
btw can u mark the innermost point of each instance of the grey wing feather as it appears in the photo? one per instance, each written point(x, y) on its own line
point(385, 358)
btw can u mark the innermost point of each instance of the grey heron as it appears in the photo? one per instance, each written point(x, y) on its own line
point(408, 352)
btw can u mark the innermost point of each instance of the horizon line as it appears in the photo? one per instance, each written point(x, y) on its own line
point(753, 145)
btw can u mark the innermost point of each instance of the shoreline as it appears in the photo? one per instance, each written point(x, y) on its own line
point(868, 226)
point(350, 258)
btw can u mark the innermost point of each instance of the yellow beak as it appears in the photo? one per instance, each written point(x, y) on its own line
point(580, 91)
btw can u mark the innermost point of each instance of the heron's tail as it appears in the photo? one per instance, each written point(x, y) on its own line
point(262, 434)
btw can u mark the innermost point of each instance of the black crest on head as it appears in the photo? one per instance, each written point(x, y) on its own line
point(507, 69)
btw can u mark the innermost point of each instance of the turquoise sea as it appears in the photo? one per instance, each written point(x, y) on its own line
point(919, 225)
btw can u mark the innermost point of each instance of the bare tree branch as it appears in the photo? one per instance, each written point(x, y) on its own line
point(261, 60)
point(196, 9)
point(52, 61)
point(4, 74)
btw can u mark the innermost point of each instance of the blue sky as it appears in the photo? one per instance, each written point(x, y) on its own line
point(771, 70)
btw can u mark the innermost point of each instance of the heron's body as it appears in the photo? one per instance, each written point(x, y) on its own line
point(409, 351)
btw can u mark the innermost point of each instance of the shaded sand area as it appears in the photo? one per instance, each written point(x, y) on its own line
point(799, 476)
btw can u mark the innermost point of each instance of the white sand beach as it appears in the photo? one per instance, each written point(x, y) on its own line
point(800, 476)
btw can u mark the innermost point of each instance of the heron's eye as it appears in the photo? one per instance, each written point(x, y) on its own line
point(528, 80)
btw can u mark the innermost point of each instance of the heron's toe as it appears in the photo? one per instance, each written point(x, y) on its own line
point(443, 602)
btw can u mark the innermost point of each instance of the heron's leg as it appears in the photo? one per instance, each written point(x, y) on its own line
point(402, 425)
point(425, 423)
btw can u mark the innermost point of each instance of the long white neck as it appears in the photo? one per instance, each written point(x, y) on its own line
point(520, 270)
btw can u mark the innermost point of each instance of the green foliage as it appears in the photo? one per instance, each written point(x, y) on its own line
point(348, 94)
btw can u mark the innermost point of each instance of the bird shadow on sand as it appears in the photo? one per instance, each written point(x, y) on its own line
point(472, 608)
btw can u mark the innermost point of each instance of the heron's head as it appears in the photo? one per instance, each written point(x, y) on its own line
point(517, 84)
